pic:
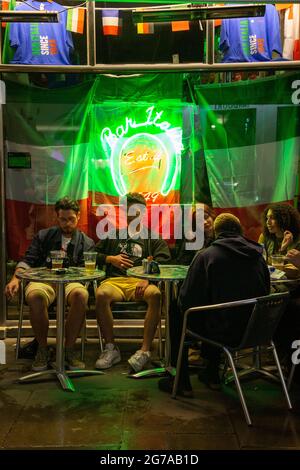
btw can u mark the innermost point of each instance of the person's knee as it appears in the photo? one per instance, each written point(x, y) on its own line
point(78, 297)
point(152, 295)
point(36, 299)
point(103, 297)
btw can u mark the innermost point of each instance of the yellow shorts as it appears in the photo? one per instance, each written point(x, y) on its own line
point(48, 291)
point(125, 285)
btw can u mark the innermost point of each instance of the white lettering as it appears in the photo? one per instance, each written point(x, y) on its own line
point(296, 354)
point(253, 44)
point(106, 228)
point(296, 94)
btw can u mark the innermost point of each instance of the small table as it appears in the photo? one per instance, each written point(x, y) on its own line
point(60, 280)
point(169, 275)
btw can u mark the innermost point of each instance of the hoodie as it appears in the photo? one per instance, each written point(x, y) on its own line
point(232, 268)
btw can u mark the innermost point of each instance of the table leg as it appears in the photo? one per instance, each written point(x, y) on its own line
point(167, 328)
point(59, 368)
point(60, 335)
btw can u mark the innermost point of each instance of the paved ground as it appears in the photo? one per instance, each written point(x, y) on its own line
point(115, 412)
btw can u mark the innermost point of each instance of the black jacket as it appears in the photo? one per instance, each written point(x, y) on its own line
point(232, 268)
point(136, 250)
point(46, 240)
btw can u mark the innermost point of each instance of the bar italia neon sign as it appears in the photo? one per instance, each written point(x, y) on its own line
point(136, 148)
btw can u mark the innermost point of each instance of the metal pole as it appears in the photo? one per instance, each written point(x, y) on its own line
point(91, 34)
point(292, 65)
point(2, 213)
point(210, 42)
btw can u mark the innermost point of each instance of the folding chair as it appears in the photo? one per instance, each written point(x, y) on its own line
point(257, 336)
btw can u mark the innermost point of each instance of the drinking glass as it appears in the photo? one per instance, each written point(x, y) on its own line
point(90, 260)
point(57, 258)
point(277, 261)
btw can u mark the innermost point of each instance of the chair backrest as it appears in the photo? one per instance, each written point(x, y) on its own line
point(264, 320)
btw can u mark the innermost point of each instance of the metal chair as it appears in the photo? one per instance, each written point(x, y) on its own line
point(257, 336)
point(20, 323)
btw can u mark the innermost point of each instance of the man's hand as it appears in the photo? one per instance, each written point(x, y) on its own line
point(294, 257)
point(140, 288)
point(121, 261)
point(12, 288)
point(287, 240)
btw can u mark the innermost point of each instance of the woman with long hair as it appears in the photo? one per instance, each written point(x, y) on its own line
point(281, 229)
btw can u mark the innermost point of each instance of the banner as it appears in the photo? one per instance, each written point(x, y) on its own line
point(236, 146)
point(251, 141)
point(68, 136)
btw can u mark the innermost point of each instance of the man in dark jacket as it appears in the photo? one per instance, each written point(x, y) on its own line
point(117, 255)
point(40, 296)
point(232, 268)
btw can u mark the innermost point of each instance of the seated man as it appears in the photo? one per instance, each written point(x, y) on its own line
point(65, 236)
point(231, 268)
point(118, 255)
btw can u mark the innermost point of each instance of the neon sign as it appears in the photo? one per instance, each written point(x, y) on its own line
point(137, 149)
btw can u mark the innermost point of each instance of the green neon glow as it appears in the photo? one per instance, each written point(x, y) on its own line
point(168, 139)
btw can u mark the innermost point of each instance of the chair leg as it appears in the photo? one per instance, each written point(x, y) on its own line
point(238, 386)
point(178, 368)
point(95, 287)
point(100, 338)
point(285, 390)
point(20, 322)
point(291, 376)
point(160, 345)
point(83, 339)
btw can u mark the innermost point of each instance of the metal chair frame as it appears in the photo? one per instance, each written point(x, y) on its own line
point(272, 301)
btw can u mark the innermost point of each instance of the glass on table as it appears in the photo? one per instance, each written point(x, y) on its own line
point(90, 258)
point(57, 258)
point(277, 261)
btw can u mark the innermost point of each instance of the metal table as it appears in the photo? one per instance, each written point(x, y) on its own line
point(60, 280)
point(169, 274)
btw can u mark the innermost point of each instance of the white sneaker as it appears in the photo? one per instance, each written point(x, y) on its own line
point(109, 357)
point(139, 360)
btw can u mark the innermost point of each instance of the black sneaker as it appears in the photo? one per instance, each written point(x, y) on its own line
point(41, 360)
point(210, 376)
point(72, 361)
point(166, 385)
point(28, 350)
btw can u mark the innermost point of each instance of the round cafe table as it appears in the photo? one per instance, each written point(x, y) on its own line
point(169, 275)
point(60, 280)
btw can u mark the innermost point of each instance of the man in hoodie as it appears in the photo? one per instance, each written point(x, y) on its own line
point(232, 268)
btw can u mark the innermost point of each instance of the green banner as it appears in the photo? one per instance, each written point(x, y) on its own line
point(251, 135)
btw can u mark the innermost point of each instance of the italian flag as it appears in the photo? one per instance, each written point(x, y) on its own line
point(145, 28)
point(75, 20)
point(5, 6)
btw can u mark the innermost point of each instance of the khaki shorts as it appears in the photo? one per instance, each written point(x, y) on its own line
point(48, 291)
point(125, 285)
